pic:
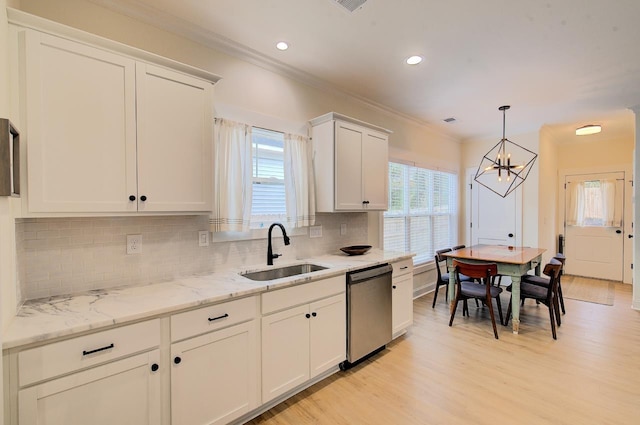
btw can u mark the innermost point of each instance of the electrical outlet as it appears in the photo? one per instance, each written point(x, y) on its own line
point(343, 229)
point(315, 231)
point(134, 244)
point(203, 238)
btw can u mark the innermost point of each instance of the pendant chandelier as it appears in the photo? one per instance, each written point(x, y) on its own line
point(506, 165)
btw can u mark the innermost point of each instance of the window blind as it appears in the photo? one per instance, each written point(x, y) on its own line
point(423, 211)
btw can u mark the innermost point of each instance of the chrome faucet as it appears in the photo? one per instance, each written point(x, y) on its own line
point(270, 254)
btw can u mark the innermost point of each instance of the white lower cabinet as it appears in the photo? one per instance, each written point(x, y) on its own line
point(303, 341)
point(402, 296)
point(214, 377)
point(122, 392)
point(108, 377)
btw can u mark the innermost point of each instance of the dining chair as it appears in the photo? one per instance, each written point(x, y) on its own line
point(545, 295)
point(443, 278)
point(544, 282)
point(484, 291)
point(458, 247)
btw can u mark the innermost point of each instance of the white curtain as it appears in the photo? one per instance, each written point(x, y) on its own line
point(299, 181)
point(594, 204)
point(233, 176)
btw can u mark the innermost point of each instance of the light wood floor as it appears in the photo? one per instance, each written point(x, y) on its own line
point(462, 375)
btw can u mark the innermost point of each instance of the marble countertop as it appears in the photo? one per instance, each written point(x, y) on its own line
point(55, 317)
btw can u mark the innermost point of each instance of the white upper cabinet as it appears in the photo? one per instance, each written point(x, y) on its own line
point(81, 127)
point(351, 164)
point(175, 122)
point(107, 133)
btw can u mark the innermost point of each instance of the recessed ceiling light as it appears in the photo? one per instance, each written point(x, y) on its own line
point(414, 60)
point(588, 129)
point(282, 45)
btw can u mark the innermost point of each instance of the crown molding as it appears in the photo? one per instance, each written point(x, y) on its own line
point(157, 18)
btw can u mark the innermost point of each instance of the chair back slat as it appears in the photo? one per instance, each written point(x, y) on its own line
point(552, 269)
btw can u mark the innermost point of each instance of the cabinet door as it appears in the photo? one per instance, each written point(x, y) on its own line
point(375, 170)
point(124, 392)
point(81, 127)
point(214, 377)
point(348, 179)
point(175, 125)
point(285, 351)
point(328, 343)
point(402, 303)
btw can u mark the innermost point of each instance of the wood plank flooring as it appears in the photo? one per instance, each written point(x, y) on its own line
point(462, 375)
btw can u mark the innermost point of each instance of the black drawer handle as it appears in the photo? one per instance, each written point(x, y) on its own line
point(155, 367)
point(213, 319)
point(177, 360)
point(308, 316)
point(314, 314)
point(86, 353)
point(143, 198)
point(394, 286)
point(404, 268)
point(132, 198)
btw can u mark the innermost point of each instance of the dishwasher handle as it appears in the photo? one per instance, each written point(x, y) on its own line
point(366, 274)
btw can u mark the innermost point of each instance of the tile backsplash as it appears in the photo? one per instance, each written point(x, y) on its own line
point(59, 256)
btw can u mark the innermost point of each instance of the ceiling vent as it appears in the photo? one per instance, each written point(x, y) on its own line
point(351, 5)
point(451, 119)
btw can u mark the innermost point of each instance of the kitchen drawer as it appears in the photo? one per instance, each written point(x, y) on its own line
point(51, 360)
point(402, 267)
point(217, 316)
point(302, 294)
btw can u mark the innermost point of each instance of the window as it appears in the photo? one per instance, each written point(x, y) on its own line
point(423, 211)
point(268, 201)
point(595, 203)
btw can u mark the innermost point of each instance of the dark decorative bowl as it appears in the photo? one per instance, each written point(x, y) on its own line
point(355, 249)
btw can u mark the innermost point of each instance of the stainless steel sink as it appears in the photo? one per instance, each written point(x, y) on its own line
point(280, 272)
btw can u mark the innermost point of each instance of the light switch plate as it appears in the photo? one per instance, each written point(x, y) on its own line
point(315, 231)
point(203, 238)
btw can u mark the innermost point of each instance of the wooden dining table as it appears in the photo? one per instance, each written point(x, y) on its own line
point(512, 261)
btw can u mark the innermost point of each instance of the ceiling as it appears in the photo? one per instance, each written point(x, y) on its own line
point(560, 63)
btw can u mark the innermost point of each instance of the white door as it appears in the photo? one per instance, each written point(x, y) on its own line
point(124, 392)
point(348, 179)
point(375, 170)
point(216, 379)
point(328, 346)
point(175, 125)
point(494, 220)
point(81, 126)
point(594, 242)
point(285, 351)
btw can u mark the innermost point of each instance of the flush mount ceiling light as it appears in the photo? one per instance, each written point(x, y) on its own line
point(281, 45)
point(506, 165)
point(414, 60)
point(588, 129)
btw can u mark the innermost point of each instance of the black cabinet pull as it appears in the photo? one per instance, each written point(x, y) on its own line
point(213, 319)
point(618, 231)
point(510, 235)
point(86, 353)
point(177, 360)
point(132, 198)
point(403, 268)
point(314, 314)
point(143, 198)
point(307, 315)
point(394, 286)
point(630, 236)
point(154, 367)
point(365, 202)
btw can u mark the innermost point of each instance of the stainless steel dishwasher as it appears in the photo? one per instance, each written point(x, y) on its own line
point(369, 324)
